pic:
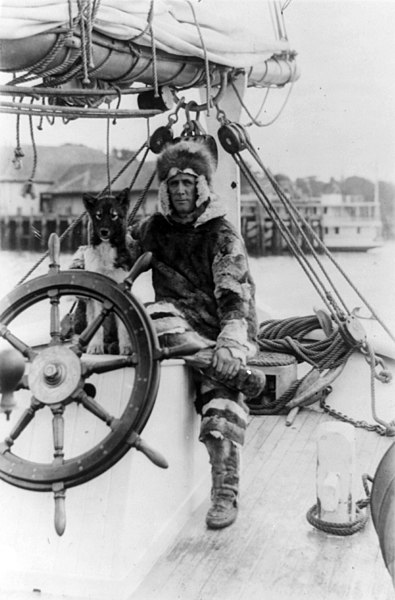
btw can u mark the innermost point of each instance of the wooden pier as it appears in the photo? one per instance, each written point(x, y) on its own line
point(263, 237)
point(32, 232)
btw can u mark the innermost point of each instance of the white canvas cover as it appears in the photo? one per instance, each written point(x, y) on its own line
point(234, 33)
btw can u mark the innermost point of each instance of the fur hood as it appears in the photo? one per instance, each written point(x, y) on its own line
point(186, 154)
point(194, 155)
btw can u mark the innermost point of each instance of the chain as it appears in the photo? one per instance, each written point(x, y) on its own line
point(342, 417)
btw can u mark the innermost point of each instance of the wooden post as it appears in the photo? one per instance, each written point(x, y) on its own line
point(18, 233)
point(44, 233)
point(336, 472)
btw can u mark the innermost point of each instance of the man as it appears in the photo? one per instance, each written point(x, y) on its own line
point(204, 295)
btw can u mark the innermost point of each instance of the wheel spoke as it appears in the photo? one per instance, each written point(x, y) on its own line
point(54, 299)
point(94, 407)
point(59, 493)
point(91, 329)
point(58, 433)
point(90, 367)
point(22, 423)
point(17, 343)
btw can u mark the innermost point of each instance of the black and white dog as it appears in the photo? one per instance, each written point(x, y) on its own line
point(106, 253)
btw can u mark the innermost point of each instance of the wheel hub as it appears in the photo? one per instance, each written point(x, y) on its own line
point(54, 374)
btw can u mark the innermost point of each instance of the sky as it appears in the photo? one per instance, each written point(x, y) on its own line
point(339, 120)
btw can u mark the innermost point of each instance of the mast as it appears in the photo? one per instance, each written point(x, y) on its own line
point(227, 177)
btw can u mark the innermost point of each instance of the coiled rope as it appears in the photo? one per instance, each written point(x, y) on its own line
point(289, 336)
point(343, 528)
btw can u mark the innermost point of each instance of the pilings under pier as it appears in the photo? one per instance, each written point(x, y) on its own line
point(32, 232)
point(262, 236)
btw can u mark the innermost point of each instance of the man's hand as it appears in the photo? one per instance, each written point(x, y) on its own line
point(224, 363)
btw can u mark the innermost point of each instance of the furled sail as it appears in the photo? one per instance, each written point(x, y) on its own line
point(222, 33)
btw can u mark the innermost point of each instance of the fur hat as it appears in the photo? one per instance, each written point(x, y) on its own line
point(189, 156)
point(186, 154)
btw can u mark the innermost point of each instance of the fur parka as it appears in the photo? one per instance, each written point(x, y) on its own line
point(202, 269)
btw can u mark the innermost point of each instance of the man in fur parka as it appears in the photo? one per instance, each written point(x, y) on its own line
point(204, 295)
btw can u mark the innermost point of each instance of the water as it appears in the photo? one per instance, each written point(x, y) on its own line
point(283, 289)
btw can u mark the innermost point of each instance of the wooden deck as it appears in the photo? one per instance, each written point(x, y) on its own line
point(272, 552)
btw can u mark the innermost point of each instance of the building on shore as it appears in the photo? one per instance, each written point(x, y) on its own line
point(44, 195)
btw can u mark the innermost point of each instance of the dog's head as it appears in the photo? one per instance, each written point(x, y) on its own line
point(108, 216)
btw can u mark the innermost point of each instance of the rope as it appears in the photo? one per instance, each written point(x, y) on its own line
point(138, 170)
point(34, 147)
point(206, 61)
point(82, 215)
point(287, 235)
point(290, 239)
point(285, 200)
point(286, 336)
point(147, 27)
point(344, 528)
point(281, 109)
point(125, 166)
point(40, 65)
point(141, 198)
point(295, 214)
point(153, 46)
point(263, 406)
point(108, 155)
point(337, 528)
point(46, 254)
point(18, 152)
point(260, 109)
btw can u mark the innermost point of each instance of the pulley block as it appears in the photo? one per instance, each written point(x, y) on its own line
point(232, 137)
point(158, 140)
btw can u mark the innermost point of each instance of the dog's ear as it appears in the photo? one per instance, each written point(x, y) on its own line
point(89, 201)
point(124, 198)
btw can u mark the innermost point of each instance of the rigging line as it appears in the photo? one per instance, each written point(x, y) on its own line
point(89, 27)
point(292, 243)
point(144, 31)
point(338, 266)
point(34, 147)
point(18, 152)
point(83, 214)
point(295, 214)
point(125, 166)
point(272, 19)
point(138, 170)
point(258, 114)
point(70, 12)
point(141, 198)
point(284, 27)
point(206, 61)
point(46, 254)
point(108, 154)
point(83, 27)
point(281, 109)
point(277, 19)
point(285, 6)
point(153, 46)
point(41, 64)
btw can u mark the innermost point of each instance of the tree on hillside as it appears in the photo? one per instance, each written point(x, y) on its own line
point(358, 186)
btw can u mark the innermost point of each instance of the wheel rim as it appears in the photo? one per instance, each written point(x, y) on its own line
point(63, 370)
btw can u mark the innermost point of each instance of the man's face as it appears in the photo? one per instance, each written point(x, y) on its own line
point(182, 191)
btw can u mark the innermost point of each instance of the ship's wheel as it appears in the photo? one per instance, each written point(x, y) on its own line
point(54, 376)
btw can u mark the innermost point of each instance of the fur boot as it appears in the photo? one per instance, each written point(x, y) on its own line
point(225, 466)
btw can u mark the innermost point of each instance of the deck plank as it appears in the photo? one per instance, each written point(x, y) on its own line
point(271, 551)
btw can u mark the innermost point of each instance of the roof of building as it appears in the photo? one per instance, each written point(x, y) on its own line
point(52, 161)
point(93, 177)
